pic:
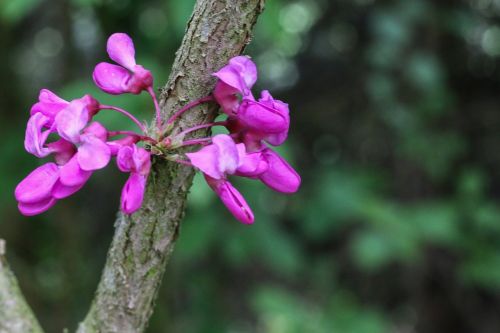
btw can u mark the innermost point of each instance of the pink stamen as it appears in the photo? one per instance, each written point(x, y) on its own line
point(126, 113)
point(187, 107)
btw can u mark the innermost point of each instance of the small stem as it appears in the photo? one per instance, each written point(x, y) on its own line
point(126, 113)
point(183, 162)
point(157, 108)
point(195, 128)
point(202, 141)
point(141, 137)
point(187, 107)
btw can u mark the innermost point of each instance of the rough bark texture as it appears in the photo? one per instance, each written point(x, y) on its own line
point(15, 314)
point(143, 242)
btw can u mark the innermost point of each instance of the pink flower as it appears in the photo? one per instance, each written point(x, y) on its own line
point(49, 104)
point(237, 77)
point(279, 176)
point(75, 162)
point(137, 161)
point(127, 78)
point(55, 114)
point(223, 157)
point(268, 119)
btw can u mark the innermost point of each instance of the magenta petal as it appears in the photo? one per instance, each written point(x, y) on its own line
point(225, 95)
point(252, 164)
point(228, 155)
point(49, 104)
point(98, 130)
point(240, 73)
point(30, 209)
point(247, 69)
point(93, 154)
point(72, 175)
point(206, 160)
point(120, 48)
point(110, 78)
point(133, 193)
point(34, 140)
point(124, 158)
point(61, 191)
point(63, 151)
point(280, 176)
point(71, 121)
point(37, 186)
point(233, 200)
point(262, 117)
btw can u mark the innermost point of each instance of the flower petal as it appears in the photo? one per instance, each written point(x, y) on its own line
point(228, 156)
point(63, 151)
point(251, 164)
point(30, 209)
point(61, 191)
point(280, 176)
point(34, 139)
point(225, 95)
point(110, 78)
point(233, 200)
point(72, 175)
point(49, 104)
point(121, 49)
point(206, 159)
point(263, 117)
point(72, 120)
point(133, 193)
point(37, 186)
point(93, 154)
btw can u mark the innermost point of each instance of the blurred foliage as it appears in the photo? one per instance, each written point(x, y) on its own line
point(396, 129)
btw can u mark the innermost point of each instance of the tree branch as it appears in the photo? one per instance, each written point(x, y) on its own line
point(143, 242)
point(15, 314)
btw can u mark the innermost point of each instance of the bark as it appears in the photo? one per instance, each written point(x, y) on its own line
point(143, 242)
point(15, 314)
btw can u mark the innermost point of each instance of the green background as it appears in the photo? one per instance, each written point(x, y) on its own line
point(395, 132)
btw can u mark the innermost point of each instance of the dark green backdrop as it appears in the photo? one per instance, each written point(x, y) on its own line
point(395, 111)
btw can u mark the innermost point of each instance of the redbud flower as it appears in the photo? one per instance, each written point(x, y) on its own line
point(137, 161)
point(223, 157)
point(127, 78)
point(237, 77)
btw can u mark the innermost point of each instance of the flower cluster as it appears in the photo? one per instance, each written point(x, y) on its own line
point(80, 145)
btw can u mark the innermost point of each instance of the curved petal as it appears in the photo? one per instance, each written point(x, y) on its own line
point(72, 175)
point(121, 49)
point(34, 139)
point(206, 159)
point(240, 73)
point(49, 104)
point(234, 201)
point(133, 193)
point(263, 117)
point(228, 155)
point(280, 176)
point(124, 158)
point(225, 95)
point(37, 186)
point(111, 78)
point(63, 151)
point(252, 164)
point(98, 130)
point(31, 209)
point(71, 121)
point(61, 191)
point(93, 154)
